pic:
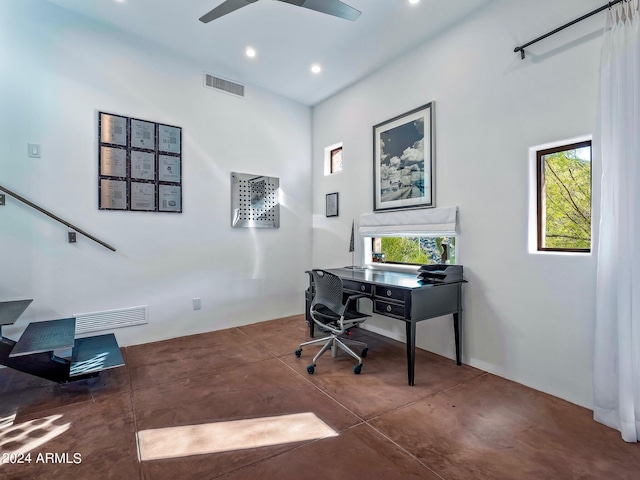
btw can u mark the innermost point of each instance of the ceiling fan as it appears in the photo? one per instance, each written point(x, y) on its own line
point(330, 7)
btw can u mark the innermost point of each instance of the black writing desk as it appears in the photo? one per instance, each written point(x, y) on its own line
point(402, 297)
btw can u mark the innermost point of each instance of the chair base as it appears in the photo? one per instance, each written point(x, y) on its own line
point(334, 342)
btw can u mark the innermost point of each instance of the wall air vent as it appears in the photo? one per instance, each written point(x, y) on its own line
point(110, 319)
point(222, 85)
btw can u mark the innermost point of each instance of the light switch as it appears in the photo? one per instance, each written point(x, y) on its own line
point(34, 150)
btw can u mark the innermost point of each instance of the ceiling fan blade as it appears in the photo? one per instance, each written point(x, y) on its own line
point(330, 7)
point(225, 7)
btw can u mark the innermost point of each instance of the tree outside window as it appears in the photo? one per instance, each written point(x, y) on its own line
point(415, 250)
point(564, 198)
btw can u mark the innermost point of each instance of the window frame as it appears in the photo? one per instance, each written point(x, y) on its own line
point(331, 154)
point(539, 194)
point(371, 240)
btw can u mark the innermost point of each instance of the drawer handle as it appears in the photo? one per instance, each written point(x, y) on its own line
point(362, 288)
point(389, 293)
point(389, 308)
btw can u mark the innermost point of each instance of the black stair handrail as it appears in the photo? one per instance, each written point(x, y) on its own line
point(55, 217)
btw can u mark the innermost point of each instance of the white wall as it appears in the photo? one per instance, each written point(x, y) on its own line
point(528, 317)
point(57, 71)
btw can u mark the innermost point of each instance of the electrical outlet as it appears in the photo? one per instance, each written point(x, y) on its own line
point(197, 304)
point(1, 198)
point(72, 237)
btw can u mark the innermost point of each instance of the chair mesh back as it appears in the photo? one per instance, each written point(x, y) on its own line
point(328, 290)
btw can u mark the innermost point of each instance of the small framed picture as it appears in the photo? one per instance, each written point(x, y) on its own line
point(332, 204)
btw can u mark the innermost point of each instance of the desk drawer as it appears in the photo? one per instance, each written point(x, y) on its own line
point(389, 309)
point(357, 286)
point(391, 293)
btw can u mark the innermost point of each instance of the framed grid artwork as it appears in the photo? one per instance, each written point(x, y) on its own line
point(139, 165)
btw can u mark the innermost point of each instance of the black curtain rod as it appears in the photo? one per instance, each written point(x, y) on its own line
point(597, 10)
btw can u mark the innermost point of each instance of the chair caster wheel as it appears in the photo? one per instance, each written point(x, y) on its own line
point(298, 352)
point(363, 353)
point(311, 369)
point(357, 369)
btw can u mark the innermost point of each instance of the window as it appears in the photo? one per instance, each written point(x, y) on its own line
point(336, 160)
point(333, 159)
point(414, 250)
point(564, 198)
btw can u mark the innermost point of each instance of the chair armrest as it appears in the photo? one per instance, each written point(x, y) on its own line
point(356, 296)
point(353, 297)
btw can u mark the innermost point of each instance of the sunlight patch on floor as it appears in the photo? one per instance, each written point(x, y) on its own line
point(173, 442)
point(24, 437)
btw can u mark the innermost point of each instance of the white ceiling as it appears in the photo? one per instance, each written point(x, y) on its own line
point(288, 39)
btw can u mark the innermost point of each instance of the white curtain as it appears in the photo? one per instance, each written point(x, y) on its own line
point(616, 381)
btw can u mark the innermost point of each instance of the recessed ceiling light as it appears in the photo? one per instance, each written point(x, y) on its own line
point(250, 52)
point(315, 68)
point(413, 2)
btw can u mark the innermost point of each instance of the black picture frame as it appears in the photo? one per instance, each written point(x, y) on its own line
point(332, 204)
point(139, 165)
point(403, 160)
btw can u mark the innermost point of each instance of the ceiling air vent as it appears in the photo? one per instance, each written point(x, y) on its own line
point(223, 85)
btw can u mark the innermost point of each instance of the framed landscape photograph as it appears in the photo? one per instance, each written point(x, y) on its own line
point(403, 158)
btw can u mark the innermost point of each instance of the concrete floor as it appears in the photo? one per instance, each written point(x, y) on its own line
point(457, 422)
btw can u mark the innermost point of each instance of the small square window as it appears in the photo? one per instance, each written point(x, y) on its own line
point(336, 160)
point(564, 198)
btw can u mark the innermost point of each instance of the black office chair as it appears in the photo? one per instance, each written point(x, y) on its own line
point(330, 314)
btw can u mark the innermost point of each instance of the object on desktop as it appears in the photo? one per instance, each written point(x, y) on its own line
point(440, 273)
point(379, 258)
point(352, 243)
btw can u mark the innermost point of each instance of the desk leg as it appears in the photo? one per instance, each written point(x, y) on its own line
point(456, 332)
point(308, 298)
point(311, 328)
point(411, 350)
